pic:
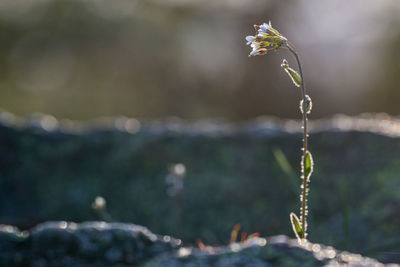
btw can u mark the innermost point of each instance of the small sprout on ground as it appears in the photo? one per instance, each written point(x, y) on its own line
point(175, 185)
point(234, 240)
point(265, 40)
point(174, 179)
point(204, 247)
point(235, 233)
point(243, 236)
point(100, 206)
point(99, 203)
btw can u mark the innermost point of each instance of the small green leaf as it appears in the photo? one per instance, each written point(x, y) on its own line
point(308, 104)
point(308, 165)
point(294, 76)
point(298, 231)
point(296, 79)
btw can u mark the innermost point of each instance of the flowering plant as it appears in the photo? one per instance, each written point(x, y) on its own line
point(269, 39)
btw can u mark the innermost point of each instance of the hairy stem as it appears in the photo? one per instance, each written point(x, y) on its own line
point(305, 136)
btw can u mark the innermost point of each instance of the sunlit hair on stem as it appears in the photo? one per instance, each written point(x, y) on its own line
point(266, 40)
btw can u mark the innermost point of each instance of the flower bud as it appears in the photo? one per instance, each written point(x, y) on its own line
point(266, 39)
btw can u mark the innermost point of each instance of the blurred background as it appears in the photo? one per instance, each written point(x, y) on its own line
point(155, 59)
point(81, 59)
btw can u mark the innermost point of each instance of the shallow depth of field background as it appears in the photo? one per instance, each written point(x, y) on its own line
point(82, 59)
point(157, 59)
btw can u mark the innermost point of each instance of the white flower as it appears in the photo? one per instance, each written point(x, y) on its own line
point(265, 27)
point(255, 45)
point(254, 52)
point(266, 39)
point(258, 51)
point(250, 39)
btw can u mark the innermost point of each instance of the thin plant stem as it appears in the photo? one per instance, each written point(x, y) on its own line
point(268, 39)
point(305, 136)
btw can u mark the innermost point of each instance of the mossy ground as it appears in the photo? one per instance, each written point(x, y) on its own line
point(232, 177)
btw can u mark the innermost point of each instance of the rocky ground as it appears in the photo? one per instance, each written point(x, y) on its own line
point(245, 173)
point(116, 244)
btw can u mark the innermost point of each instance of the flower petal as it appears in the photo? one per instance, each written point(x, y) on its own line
point(255, 45)
point(265, 27)
point(254, 53)
point(250, 38)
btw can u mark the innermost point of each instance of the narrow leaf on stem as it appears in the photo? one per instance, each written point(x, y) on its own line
point(297, 229)
point(294, 76)
point(307, 165)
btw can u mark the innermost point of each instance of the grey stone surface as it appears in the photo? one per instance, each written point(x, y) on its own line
point(84, 244)
point(95, 244)
point(259, 252)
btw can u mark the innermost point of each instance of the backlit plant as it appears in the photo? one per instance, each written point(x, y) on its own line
point(265, 40)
